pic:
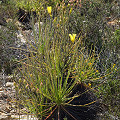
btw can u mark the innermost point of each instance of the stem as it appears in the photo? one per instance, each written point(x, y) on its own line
point(58, 112)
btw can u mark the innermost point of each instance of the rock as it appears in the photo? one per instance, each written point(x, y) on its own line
point(1, 93)
point(13, 111)
point(9, 20)
point(9, 84)
point(4, 116)
point(7, 109)
point(13, 88)
point(1, 89)
point(21, 37)
point(24, 117)
point(4, 96)
point(9, 78)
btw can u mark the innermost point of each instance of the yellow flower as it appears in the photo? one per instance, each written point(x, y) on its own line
point(31, 75)
point(24, 81)
point(89, 84)
point(97, 71)
point(113, 65)
point(68, 5)
point(82, 72)
point(72, 37)
point(20, 80)
point(89, 64)
point(70, 11)
point(49, 9)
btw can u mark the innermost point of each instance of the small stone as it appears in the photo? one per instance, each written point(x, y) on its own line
point(1, 92)
point(7, 110)
point(13, 88)
point(13, 111)
point(4, 116)
point(9, 84)
point(1, 89)
point(9, 78)
point(9, 20)
point(4, 95)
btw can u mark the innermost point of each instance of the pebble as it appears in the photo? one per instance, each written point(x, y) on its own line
point(8, 108)
point(1, 89)
point(4, 117)
point(9, 84)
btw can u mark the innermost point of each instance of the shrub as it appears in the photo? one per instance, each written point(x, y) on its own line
point(7, 39)
point(58, 65)
point(53, 79)
point(7, 35)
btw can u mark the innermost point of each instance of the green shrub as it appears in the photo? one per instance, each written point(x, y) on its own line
point(90, 20)
point(35, 5)
point(7, 35)
point(7, 39)
point(56, 64)
point(56, 67)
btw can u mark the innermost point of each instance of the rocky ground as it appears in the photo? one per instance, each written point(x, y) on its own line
point(9, 109)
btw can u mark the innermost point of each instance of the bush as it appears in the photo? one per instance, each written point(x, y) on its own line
point(7, 35)
point(58, 65)
point(90, 20)
point(54, 80)
point(7, 39)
